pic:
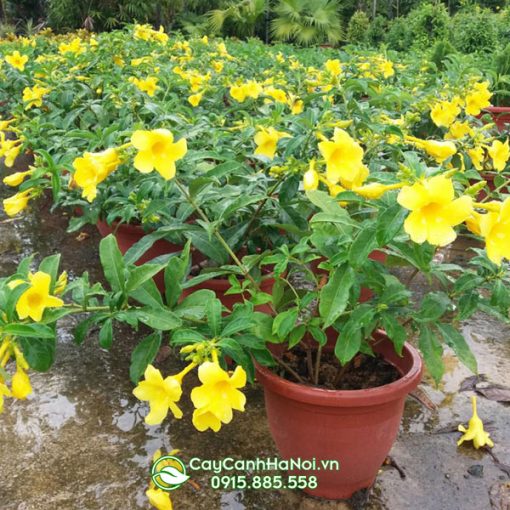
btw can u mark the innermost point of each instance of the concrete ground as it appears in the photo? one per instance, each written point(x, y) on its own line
point(79, 441)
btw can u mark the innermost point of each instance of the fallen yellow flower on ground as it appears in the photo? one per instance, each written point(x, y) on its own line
point(475, 431)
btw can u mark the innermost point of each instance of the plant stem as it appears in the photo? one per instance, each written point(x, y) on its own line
point(289, 369)
point(317, 365)
point(309, 363)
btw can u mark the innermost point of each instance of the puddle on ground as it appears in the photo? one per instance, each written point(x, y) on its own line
point(79, 441)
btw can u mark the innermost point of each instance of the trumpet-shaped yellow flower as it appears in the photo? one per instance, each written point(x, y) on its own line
point(375, 190)
point(157, 150)
point(75, 46)
point(33, 96)
point(16, 178)
point(434, 210)
point(218, 395)
point(344, 160)
point(477, 156)
point(92, 169)
point(444, 113)
point(148, 85)
point(267, 139)
point(278, 95)
point(386, 68)
point(17, 60)
point(459, 130)
point(159, 499)
point(162, 395)
point(500, 153)
point(21, 386)
point(478, 98)
point(17, 203)
point(334, 67)
point(475, 431)
point(37, 298)
point(440, 151)
point(194, 99)
point(311, 178)
point(495, 229)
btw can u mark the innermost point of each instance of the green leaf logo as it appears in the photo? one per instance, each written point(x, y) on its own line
point(168, 473)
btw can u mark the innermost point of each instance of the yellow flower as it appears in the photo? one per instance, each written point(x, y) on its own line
point(434, 210)
point(311, 178)
point(334, 67)
point(159, 499)
point(17, 60)
point(37, 298)
point(33, 96)
point(386, 68)
point(477, 156)
point(375, 190)
point(499, 152)
point(475, 431)
point(495, 228)
point(75, 46)
point(92, 169)
point(162, 395)
point(20, 386)
point(267, 139)
point(157, 150)
point(16, 178)
point(478, 98)
point(218, 395)
point(344, 160)
point(459, 130)
point(440, 151)
point(17, 203)
point(148, 85)
point(238, 93)
point(444, 113)
point(4, 392)
point(194, 100)
point(277, 94)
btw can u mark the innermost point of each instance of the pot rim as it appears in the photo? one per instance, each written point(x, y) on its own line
point(497, 109)
point(126, 227)
point(348, 398)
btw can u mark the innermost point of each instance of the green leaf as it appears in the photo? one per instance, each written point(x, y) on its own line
point(319, 335)
point(112, 262)
point(106, 334)
point(186, 336)
point(39, 352)
point(148, 294)
point(159, 319)
point(49, 265)
point(395, 331)
point(364, 243)
point(140, 274)
point(433, 306)
point(284, 322)
point(296, 335)
point(213, 310)
point(389, 223)
point(209, 247)
point(349, 340)
point(456, 341)
point(81, 330)
point(143, 355)
point(468, 304)
point(432, 353)
point(334, 296)
point(29, 330)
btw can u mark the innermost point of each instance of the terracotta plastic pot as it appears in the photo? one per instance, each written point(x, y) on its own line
point(221, 285)
point(356, 428)
point(500, 115)
point(489, 178)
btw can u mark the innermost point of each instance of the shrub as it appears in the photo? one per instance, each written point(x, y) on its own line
point(474, 30)
point(440, 52)
point(428, 23)
point(398, 35)
point(377, 30)
point(357, 30)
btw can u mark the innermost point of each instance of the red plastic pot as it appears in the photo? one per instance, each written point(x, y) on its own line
point(500, 115)
point(489, 178)
point(220, 285)
point(357, 428)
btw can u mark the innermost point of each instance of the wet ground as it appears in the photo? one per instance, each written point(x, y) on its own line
point(79, 441)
